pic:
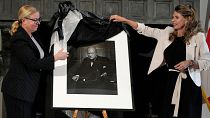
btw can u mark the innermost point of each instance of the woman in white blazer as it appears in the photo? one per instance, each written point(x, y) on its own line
point(185, 52)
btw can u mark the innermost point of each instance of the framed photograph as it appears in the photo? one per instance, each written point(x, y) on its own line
point(95, 76)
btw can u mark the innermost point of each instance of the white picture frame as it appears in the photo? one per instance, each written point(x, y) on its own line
point(122, 100)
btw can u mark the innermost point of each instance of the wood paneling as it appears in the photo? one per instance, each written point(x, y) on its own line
point(5, 9)
point(110, 7)
point(163, 11)
point(137, 10)
point(88, 5)
point(147, 11)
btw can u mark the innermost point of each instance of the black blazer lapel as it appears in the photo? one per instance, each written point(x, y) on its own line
point(28, 39)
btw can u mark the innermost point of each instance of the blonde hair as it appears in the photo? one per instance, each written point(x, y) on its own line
point(192, 25)
point(24, 11)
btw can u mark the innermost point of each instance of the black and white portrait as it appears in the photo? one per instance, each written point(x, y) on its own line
point(98, 72)
point(92, 70)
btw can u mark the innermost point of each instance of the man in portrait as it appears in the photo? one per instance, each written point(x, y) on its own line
point(95, 72)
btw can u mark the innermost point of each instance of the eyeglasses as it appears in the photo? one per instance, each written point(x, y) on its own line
point(36, 20)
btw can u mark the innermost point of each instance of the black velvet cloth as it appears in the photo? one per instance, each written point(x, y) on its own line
point(90, 30)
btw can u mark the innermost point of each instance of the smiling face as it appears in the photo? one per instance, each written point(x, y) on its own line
point(31, 22)
point(178, 21)
point(185, 22)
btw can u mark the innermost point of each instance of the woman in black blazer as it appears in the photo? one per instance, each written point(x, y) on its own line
point(28, 60)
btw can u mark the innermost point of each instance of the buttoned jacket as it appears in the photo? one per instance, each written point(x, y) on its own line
point(23, 77)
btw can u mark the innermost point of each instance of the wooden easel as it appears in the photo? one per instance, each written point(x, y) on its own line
point(86, 114)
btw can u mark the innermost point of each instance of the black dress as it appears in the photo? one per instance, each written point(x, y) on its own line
point(190, 105)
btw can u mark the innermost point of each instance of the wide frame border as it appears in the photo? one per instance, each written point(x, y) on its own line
point(123, 100)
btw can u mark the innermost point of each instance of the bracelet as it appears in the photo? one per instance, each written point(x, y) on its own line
point(192, 62)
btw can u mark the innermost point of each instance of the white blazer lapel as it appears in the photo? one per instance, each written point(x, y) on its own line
point(190, 50)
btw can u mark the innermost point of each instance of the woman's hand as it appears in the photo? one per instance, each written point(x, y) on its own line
point(184, 64)
point(60, 55)
point(117, 18)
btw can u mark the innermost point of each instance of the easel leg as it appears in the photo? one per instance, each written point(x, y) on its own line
point(75, 113)
point(104, 114)
point(86, 114)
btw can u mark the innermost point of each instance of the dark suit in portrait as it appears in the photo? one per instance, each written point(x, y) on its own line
point(98, 73)
point(95, 73)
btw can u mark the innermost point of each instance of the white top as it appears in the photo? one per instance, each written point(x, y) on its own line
point(39, 47)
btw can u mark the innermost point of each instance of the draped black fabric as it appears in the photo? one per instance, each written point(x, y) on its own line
point(90, 29)
point(63, 9)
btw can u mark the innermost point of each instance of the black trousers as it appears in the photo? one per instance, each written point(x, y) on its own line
point(16, 108)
